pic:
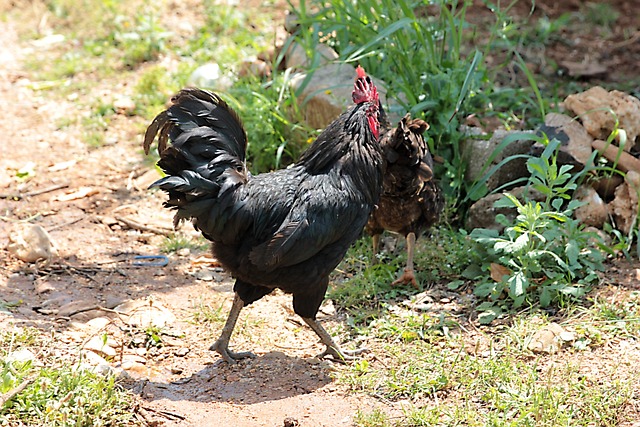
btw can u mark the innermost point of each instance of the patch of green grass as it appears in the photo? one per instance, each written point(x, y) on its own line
point(54, 392)
point(363, 289)
point(604, 321)
point(375, 418)
point(450, 384)
point(272, 119)
point(96, 125)
point(67, 396)
point(204, 313)
point(10, 339)
point(179, 241)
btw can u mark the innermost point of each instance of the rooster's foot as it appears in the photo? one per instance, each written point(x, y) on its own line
point(229, 356)
point(407, 277)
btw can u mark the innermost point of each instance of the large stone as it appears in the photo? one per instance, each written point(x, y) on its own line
point(296, 56)
point(31, 243)
point(624, 207)
point(594, 107)
point(327, 93)
point(482, 214)
point(594, 211)
point(210, 76)
point(575, 141)
point(477, 152)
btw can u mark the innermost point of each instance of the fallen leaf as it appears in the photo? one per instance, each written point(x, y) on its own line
point(61, 166)
point(583, 69)
point(205, 260)
point(498, 271)
point(80, 193)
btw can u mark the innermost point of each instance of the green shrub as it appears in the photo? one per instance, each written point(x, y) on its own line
point(544, 253)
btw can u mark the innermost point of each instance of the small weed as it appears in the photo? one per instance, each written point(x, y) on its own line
point(545, 254)
point(204, 313)
point(601, 14)
point(375, 418)
point(179, 241)
point(66, 396)
point(55, 393)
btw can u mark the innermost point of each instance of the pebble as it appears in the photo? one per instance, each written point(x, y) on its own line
point(97, 345)
point(181, 352)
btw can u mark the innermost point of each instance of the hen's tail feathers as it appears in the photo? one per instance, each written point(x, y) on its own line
point(206, 154)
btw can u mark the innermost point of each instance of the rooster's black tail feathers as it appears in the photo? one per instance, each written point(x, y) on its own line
point(206, 154)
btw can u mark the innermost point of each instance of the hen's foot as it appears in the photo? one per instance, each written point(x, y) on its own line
point(342, 356)
point(407, 277)
point(229, 356)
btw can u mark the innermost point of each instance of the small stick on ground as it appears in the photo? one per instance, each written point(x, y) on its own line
point(19, 196)
point(56, 227)
point(137, 226)
point(15, 391)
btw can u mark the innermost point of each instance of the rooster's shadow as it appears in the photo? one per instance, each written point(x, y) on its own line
point(271, 376)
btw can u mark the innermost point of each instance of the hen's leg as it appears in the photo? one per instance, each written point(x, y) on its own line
point(376, 245)
point(408, 276)
point(332, 348)
point(222, 345)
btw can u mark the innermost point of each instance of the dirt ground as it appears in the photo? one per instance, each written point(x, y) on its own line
point(82, 195)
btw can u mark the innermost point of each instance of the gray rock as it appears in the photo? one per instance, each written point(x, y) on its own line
point(209, 76)
point(477, 152)
point(482, 214)
point(594, 211)
point(296, 56)
point(575, 148)
point(328, 93)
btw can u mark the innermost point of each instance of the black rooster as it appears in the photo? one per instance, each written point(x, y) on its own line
point(411, 200)
point(286, 229)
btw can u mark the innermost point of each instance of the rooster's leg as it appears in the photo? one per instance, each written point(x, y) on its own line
point(332, 348)
point(222, 345)
point(408, 276)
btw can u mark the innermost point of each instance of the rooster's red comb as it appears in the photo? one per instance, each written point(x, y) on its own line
point(363, 89)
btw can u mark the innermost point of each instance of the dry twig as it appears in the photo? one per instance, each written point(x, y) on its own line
point(137, 226)
point(16, 390)
point(18, 196)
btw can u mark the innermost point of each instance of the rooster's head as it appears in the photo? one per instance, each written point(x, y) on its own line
point(364, 91)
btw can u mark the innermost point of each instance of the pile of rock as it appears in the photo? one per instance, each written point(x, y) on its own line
point(611, 197)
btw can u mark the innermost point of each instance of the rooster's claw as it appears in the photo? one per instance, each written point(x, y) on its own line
point(229, 356)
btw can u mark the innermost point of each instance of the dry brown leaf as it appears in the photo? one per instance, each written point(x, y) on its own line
point(80, 193)
point(205, 260)
point(498, 271)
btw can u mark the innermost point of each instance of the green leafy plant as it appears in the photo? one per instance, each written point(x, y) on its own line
point(417, 51)
point(544, 253)
point(273, 121)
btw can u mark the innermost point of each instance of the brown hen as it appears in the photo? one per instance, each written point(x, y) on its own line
point(411, 201)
